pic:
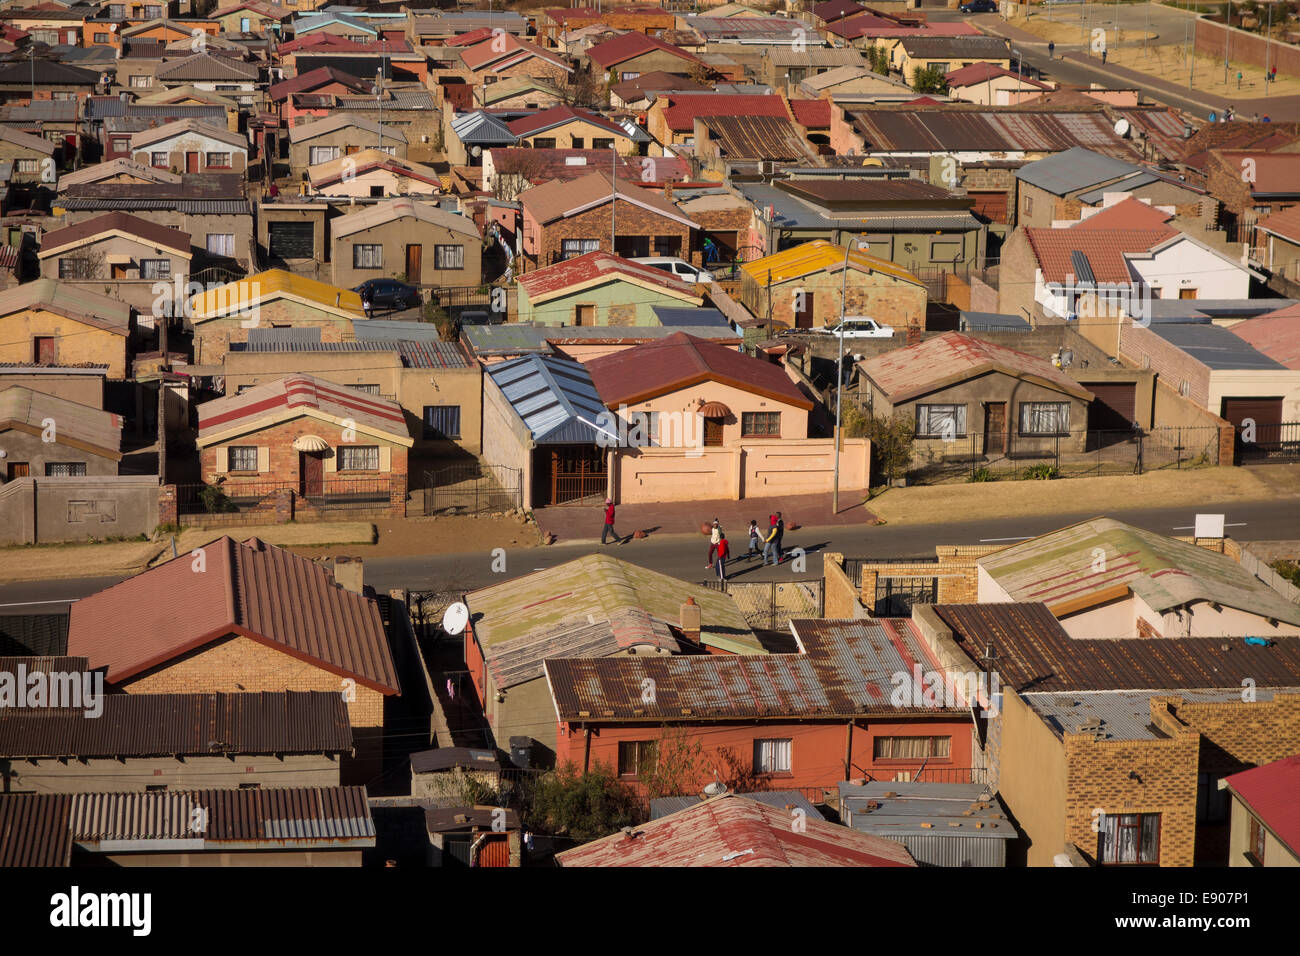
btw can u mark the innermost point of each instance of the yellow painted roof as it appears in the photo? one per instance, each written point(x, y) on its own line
point(237, 296)
point(817, 256)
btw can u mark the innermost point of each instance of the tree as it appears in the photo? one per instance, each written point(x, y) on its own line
point(879, 61)
point(679, 765)
point(581, 88)
point(583, 806)
point(526, 168)
point(891, 439)
point(929, 80)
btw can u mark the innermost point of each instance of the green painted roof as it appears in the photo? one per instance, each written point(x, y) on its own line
point(1165, 572)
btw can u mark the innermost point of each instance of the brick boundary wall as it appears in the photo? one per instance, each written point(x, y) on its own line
point(1248, 48)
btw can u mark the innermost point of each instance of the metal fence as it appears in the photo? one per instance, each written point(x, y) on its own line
point(1079, 454)
point(771, 605)
point(853, 566)
point(235, 498)
point(1268, 443)
point(471, 488)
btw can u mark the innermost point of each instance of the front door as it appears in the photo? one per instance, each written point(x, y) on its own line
point(311, 469)
point(803, 304)
point(1187, 293)
point(191, 162)
point(43, 350)
point(119, 270)
point(414, 264)
point(713, 433)
point(995, 428)
point(19, 469)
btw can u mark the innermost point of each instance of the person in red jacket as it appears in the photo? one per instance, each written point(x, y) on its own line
point(609, 522)
point(724, 550)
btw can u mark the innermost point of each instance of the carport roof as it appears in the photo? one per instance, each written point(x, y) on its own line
point(553, 396)
point(1215, 347)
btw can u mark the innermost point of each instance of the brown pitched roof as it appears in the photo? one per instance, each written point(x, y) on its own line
point(253, 589)
point(134, 226)
point(681, 360)
point(557, 199)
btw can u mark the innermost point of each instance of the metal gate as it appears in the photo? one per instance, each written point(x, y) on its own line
point(1268, 442)
point(771, 605)
point(895, 596)
point(471, 488)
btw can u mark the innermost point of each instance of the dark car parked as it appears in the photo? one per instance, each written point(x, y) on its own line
point(980, 6)
point(389, 294)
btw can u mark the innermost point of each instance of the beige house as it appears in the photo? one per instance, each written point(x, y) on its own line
point(55, 323)
point(1263, 827)
point(339, 135)
point(373, 174)
point(129, 254)
point(420, 242)
point(32, 156)
point(116, 171)
point(190, 146)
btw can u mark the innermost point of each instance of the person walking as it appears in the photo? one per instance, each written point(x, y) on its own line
point(609, 522)
point(1051, 50)
point(715, 535)
point(769, 545)
point(780, 534)
point(755, 540)
point(365, 302)
point(724, 550)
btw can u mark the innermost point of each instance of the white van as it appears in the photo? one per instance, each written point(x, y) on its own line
point(678, 268)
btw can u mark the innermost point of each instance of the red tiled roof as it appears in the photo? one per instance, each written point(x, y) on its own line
point(1128, 214)
point(253, 589)
point(982, 72)
point(1274, 172)
point(680, 111)
point(306, 392)
point(681, 360)
point(1277, 335)
point(735, 831)
point(1270, 792)
point(549, 280)
point(1105, 249)
point(558, 115)
point(633, 44)
point(812, 114)
point(904, 374)
point(1285, 223)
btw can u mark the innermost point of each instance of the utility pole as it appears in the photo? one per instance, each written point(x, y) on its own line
point(839, 373)
point(1146, 32)
point(613, 196)
point(1268, 46)
point(379, 89)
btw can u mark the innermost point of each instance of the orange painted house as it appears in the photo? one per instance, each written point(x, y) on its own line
point(852, 704)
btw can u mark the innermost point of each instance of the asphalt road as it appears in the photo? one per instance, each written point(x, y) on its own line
point(679, 555)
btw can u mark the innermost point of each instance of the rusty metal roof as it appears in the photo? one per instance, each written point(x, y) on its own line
point(941, 129)
point(848, 668)
point(732, 830)
point(254, 589)
point(34, 829)
point(1034, 653)
point(756, 137)
point(147, 725)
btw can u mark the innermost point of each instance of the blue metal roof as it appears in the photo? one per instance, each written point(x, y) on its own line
point(554, 396)
point(482, 129)
point(700, 318)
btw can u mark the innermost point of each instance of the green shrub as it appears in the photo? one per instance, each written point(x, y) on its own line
point(1042, 472)
point(982, 474)
point(215, 501)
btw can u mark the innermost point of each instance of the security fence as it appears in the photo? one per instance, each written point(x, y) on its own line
point(472, 488)
point(771, 605)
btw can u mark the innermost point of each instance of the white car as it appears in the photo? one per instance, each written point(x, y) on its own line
point(678, 268)
point(859, 327)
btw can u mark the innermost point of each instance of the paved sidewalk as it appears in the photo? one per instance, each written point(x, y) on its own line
point(572, 523)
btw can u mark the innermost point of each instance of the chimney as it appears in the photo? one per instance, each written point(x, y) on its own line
point(690, 620)
point(349, 573)
point(668, 190)
point(913, 335)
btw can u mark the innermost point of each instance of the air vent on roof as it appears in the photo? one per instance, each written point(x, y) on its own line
point(575, 160)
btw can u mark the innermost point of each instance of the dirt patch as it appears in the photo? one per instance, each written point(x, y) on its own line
point(437, 535)
point(76, 561)
point(935, 504)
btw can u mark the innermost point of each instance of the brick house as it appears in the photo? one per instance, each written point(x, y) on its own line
point(289, 98)
point(255, 618)
point(190, 146)
point(1088, 758)
point(860, 712)
point(630, 55)
point(552, 23)
point(501, 55)
point(563, 127)
point(801, 287)
point(303, 434)
point(392, 238)
point(562, 220)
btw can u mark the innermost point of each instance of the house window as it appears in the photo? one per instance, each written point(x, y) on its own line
point(218, 160)
point(368, 388)
point(1132, 838)
point(578, 142)
point(141, 80)
point(65, 469)
point(27, 166)
point(152, 13)
point(70, 268)
point(1257, 840)
point(441, 421)
point(368, 256)
point(449, 257)
point(772, 755)
point(602, 142)
point(242, 457)
point(544, 142)
point(158, 160)
point(359, 458)
point(945, 250)
point(630, 76)
point(322, 154)
point(101, 37)
point(941, 67)
point(668, 245)
point(636, 757)
point(941, 421)
point(155, 268)
point(760, 424)
point(1212, 804)
point(1044, 418)
point(577, 247)
point(116, 11)
point(221, 244)
point(912, 748)
point(121, 145)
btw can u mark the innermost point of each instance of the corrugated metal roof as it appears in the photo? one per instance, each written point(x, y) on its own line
point(1165, 573)
point(239, 296)
point(779, 799)
point(482, 129)
point(509, 339)
point(819, 256)
point(146, 725)
point(68, 300)
point(1074, 169)
point(1123, 715)
point(992, 321)
point(34, 829)
point(447, 758)
point(554, 396)
point(736, 831)
point(1215, 347)
point(43, 635)
point(945, 130)
point(248, 587)
point(190, 207)
point(1127, 184)
point(696, 318)
point(1034, 653)
point(756, 137)
point(83, 423)
point(848, 668)
point(968, 826)
point(393, 209)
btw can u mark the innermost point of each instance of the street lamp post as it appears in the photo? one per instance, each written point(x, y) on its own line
point(839, 373)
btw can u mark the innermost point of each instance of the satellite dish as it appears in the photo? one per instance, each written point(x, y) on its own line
point(455, 618)
point(476, 152)
point(1121, 127)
